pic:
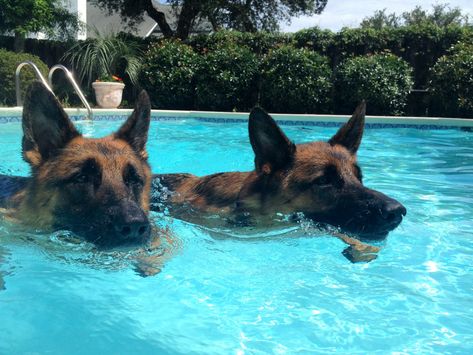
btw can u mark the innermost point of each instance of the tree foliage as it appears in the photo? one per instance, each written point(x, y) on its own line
point(168, 75)
point(383, 80)
point(226, 79)
point(441, 15)
point(248, 16)
point(32, 16)
point(451, 85)
point(8, 63)
point(296, 80)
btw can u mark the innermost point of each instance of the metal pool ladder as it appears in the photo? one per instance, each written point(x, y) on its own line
point(49, 85)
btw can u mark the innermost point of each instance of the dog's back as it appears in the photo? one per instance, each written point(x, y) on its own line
point(9, 186)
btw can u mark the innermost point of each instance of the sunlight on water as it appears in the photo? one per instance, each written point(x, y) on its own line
point(244, 291)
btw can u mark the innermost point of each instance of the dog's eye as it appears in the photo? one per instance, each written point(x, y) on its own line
point(80, 178)
point(132, 178)
point(133, 181)
point(88, 173)
point(322, 181)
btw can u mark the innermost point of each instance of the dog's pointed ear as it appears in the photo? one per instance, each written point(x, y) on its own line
point(46, 127)
point(273, 150)
point(135, 129)
point(350, 134)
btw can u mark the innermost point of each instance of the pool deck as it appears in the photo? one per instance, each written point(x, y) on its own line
point(228, 117)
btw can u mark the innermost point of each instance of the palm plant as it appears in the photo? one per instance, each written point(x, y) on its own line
point(103, 56)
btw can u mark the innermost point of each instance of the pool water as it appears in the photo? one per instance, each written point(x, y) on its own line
point(283, 294)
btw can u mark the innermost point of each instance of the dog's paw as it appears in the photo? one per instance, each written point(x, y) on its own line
point(146, 270)
point(360, 255)
point(365, 248)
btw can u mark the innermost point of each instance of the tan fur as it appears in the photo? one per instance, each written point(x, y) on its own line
point(98, 188)
point(36, 205)
point(321, 180)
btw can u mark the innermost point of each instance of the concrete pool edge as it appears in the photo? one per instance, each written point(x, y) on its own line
point(228, 117)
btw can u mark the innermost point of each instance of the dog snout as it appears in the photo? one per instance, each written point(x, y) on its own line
point(133, 230)
point(377, 214)
point(393, 211)
point(130, 222)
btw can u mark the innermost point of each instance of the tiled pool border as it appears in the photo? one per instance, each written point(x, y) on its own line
point(14, 115)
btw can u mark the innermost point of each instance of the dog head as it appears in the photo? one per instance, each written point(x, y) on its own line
point(98, 188)
point(320, 179)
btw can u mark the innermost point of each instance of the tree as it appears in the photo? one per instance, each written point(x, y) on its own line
point(441, 15)
point(244, 15)
point(380, 20)
point(33, 16)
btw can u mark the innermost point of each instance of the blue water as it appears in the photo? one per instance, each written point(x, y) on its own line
point(286, 294)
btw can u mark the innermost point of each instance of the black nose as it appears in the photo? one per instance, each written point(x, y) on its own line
point(129, 221)
point(393, 211)
point(133, 229)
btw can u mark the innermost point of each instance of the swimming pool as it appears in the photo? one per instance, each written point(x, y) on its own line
point(288, 292)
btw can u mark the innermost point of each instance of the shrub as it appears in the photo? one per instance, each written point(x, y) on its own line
point(8, 63)
point(422, 45)
point(226, 79)
point(383, 80)
point(257, 42)
point(451, 85)
point(296, 80)
point(315, 39)
point(168, 75)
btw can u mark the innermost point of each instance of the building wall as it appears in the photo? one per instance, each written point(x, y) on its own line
point(78, 7)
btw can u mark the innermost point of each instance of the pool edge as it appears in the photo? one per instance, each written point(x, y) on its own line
point(228, 117)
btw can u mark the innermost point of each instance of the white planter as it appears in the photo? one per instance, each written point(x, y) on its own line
point(108, 94)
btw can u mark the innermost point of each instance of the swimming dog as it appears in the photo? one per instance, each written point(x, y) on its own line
point(96, 188)
point(321, 180)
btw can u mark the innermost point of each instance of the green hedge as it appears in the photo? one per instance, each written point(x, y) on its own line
point(452, 83)
point(8, 63)
point(168, 75)
point(419, 45)
point(226, 79)
point(315, 39)
point(383, 80)
point(170, 72)
point(297, 81)
point(258, 42)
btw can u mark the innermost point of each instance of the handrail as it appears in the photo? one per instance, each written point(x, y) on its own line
point(40, 76)
point(74, 85)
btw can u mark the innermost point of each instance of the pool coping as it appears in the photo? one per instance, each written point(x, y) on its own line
point(289, 119)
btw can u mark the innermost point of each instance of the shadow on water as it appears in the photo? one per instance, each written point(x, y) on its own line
point(66, 247)
point(278, 228)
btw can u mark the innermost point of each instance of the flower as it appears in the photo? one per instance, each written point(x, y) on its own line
point(109, 77)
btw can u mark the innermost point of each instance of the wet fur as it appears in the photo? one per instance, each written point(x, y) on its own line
point(320, 179)
point(79, 183)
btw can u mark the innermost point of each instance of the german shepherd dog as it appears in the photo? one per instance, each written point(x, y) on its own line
point(322, 180)
point(97, 188)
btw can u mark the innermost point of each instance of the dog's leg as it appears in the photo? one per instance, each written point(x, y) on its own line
point(149, 262)
point(357, 251)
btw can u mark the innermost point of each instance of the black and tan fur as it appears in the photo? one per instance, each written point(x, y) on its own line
point(97, 188)
point(320, 179)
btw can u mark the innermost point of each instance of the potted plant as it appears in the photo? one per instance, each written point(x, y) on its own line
point(96, 59)
point(108, 91)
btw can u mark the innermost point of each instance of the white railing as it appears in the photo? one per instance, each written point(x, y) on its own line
point(49, 85)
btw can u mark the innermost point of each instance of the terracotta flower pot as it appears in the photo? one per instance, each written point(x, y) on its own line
point(108, 94)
